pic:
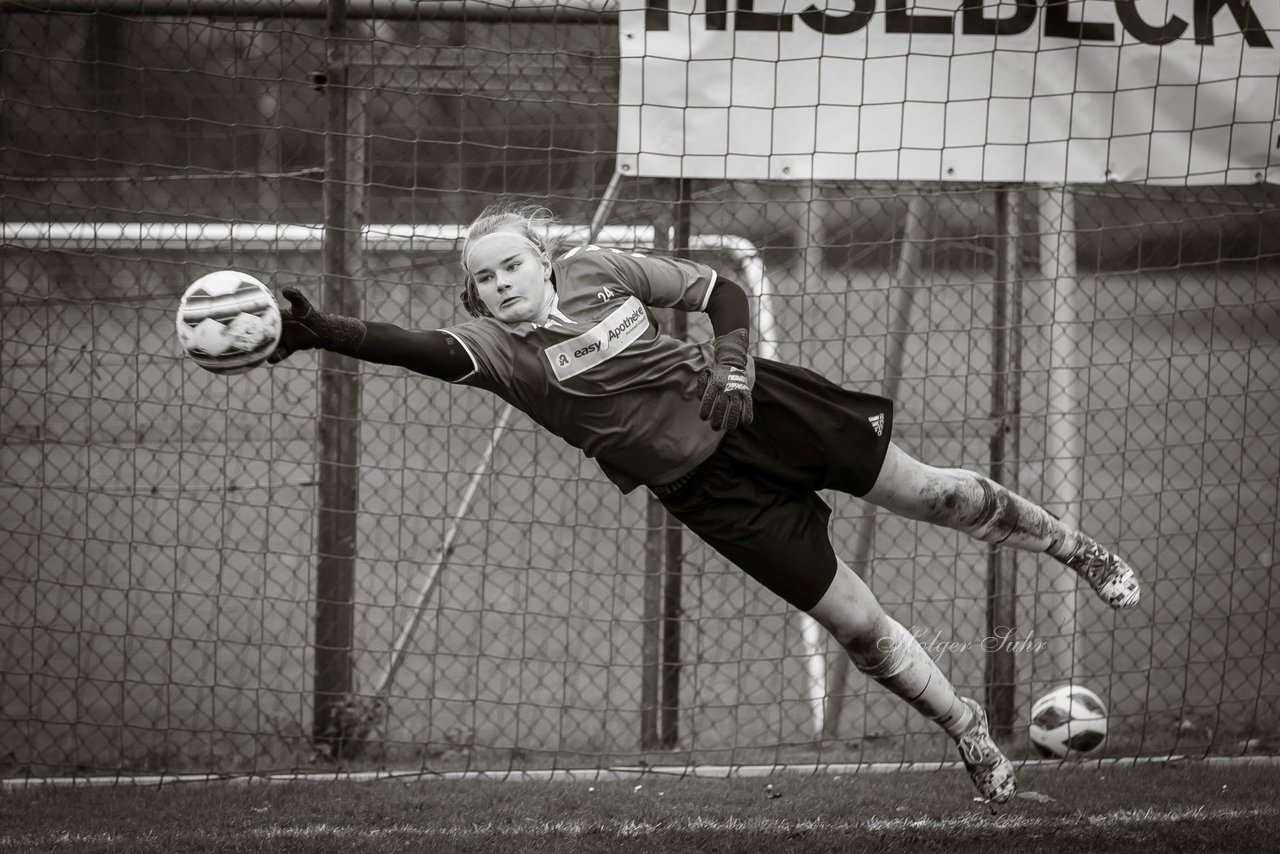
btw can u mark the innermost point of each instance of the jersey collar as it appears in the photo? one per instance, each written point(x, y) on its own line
point(556, 317)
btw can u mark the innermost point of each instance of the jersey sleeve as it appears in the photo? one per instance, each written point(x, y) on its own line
point(489, 344)
point(658, 280)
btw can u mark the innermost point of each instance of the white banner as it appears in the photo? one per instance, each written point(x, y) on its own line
point(1048, 91)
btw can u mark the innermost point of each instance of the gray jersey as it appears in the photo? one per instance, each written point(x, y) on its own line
point(599, 374)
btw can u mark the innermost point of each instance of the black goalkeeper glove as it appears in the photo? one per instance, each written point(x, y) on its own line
point(725, 387)
point(304, 328)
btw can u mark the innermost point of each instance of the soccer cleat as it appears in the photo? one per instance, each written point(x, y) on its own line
point(1111, 578)
point(990, 770)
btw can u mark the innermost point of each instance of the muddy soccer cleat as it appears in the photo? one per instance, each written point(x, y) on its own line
point(988, 767)
point(1111, 578)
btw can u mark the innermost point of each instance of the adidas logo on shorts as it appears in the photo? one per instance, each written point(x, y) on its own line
point(877, 424)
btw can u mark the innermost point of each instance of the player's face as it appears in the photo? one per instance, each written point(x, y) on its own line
point(513, 279)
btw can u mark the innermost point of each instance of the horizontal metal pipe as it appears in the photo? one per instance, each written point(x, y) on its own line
point(378, 237)
point(529, 11)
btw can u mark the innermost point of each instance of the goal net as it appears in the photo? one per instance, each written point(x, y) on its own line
point(1106, 343)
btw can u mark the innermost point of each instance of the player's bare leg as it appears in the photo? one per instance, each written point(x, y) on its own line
point(977, 505)
point(883, 649)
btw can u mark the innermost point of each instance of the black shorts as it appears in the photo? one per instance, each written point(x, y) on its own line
point(755, 499)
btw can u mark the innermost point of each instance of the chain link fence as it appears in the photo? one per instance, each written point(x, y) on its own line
point(158, 524)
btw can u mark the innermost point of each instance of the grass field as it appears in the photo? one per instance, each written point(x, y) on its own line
point(1184, 806)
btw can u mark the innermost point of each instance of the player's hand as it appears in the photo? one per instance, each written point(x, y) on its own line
point(726, 396)
point(725, 387)
point(299, 329)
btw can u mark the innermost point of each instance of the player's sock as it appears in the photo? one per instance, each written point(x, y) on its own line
point(997, 515)
point(898, 662)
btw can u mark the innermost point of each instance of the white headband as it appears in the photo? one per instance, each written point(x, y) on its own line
point(471, 244)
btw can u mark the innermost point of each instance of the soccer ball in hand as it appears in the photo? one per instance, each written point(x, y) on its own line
point(1070, 719)
point(228, 322)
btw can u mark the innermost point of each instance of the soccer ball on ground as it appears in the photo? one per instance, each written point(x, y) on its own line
point(1070, 719)
point(228, 322)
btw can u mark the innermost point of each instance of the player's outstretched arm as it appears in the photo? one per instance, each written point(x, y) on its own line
point(427, 352)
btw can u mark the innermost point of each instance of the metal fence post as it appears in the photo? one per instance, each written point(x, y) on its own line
point(1002, 590)
point(672, 610)
point(339, 427)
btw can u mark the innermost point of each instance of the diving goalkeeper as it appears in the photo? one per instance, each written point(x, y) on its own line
point(735, 447)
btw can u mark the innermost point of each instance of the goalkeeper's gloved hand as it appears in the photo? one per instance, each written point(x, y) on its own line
point(725, 387)
point(304, 328)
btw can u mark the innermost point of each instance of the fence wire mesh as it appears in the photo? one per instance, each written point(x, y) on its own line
point(157, 524)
